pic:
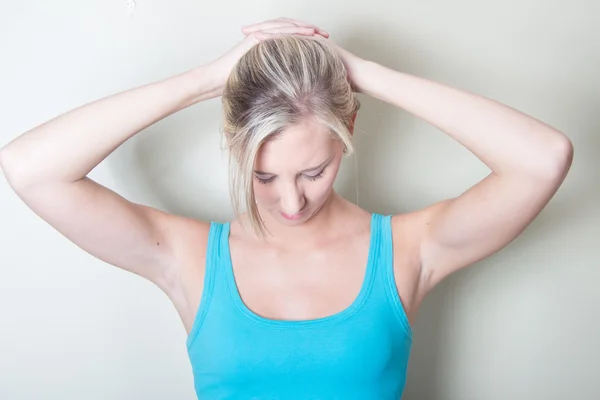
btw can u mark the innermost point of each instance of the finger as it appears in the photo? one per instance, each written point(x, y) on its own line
point(262, 35)
point(288, 30)
point(273, 33)
point(281, 22)
point(306, 24)
point(296, 29)
point(266, 25)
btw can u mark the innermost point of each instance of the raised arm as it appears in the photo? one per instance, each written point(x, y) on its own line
point(528, 159)
point(47, 168)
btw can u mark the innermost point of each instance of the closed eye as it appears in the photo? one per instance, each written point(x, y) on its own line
point(315, 177)
point(260, 176)
point(264, 181)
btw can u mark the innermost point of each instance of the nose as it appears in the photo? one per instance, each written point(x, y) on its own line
point(292, 198)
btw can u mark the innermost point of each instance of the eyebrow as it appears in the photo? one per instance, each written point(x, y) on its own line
point(322, 165)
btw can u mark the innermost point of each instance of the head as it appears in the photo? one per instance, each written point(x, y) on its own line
point(289, 114)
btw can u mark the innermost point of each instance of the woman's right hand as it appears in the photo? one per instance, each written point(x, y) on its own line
point(255, 33)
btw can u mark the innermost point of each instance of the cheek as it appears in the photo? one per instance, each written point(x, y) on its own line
point(319, 190)
point(264, 194)
point(314, 191)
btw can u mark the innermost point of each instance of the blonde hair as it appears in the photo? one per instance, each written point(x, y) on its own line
point(278, 83)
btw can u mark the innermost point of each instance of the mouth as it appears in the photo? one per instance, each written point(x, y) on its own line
point(292, 217)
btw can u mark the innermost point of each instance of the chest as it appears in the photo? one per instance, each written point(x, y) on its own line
point(362, 357)
point(301, 285)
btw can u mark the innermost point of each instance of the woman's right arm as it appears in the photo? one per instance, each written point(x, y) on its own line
point(47, 167)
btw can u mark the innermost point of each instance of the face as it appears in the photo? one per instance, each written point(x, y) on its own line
point(294, 172)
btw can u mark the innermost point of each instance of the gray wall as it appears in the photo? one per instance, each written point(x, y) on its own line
point(522, 324)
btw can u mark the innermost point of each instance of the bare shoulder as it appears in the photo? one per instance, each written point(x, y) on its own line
point(189, 238)
point(184, 281)
point(407, 232)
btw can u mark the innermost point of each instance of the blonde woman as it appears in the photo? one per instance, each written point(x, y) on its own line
point(303, 295)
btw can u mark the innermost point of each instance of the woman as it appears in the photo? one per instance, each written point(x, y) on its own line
point(303, 295)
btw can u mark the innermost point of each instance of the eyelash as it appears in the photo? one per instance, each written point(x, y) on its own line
point(264, 181)
point(310, 178)
point(315, 177)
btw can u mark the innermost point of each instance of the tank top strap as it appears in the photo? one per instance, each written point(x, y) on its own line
point(385, 280)
point(218, 233)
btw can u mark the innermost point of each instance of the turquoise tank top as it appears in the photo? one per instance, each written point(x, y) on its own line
point(361, 352)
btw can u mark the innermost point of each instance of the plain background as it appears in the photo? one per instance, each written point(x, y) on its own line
point(522, 324)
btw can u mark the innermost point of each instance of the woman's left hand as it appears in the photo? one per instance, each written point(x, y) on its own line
point(352, 64)
point(275, 27)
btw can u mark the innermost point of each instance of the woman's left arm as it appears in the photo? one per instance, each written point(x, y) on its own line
point(529, 161)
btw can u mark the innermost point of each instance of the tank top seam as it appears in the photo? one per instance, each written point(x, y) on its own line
point(358, 303)
point(392, 294)
point(212, 255)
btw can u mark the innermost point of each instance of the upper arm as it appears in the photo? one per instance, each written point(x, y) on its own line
point(134, 237)
point(461, 231)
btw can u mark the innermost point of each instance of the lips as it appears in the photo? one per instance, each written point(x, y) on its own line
point(292, 217)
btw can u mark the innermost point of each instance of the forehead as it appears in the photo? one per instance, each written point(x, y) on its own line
point(298, 147)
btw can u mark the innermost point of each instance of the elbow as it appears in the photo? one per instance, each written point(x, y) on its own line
point(553, 163)
point(4, 157)
point(10, 167)
point(5, 162)
point(563, 157)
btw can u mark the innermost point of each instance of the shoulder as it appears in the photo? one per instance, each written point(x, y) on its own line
point(185, 277)
point(408, 230)
point(189, 237)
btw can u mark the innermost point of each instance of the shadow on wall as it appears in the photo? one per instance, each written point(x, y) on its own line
point(435, 316)
point(374, 121)
point(178, 165)
point(168, 162)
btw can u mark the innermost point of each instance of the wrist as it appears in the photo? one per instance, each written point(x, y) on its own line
point(201, 83)
point(362, 71)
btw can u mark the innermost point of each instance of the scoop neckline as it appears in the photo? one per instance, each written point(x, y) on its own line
point(355, 306)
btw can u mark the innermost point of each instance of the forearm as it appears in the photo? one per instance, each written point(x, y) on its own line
point(69, 146)
point(506, 140)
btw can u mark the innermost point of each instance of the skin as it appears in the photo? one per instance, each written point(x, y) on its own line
point(294, 177)
point(313, 265)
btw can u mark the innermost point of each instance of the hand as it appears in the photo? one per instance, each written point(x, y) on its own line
point(278, 26)
point(221, 68)
point(351, 62)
